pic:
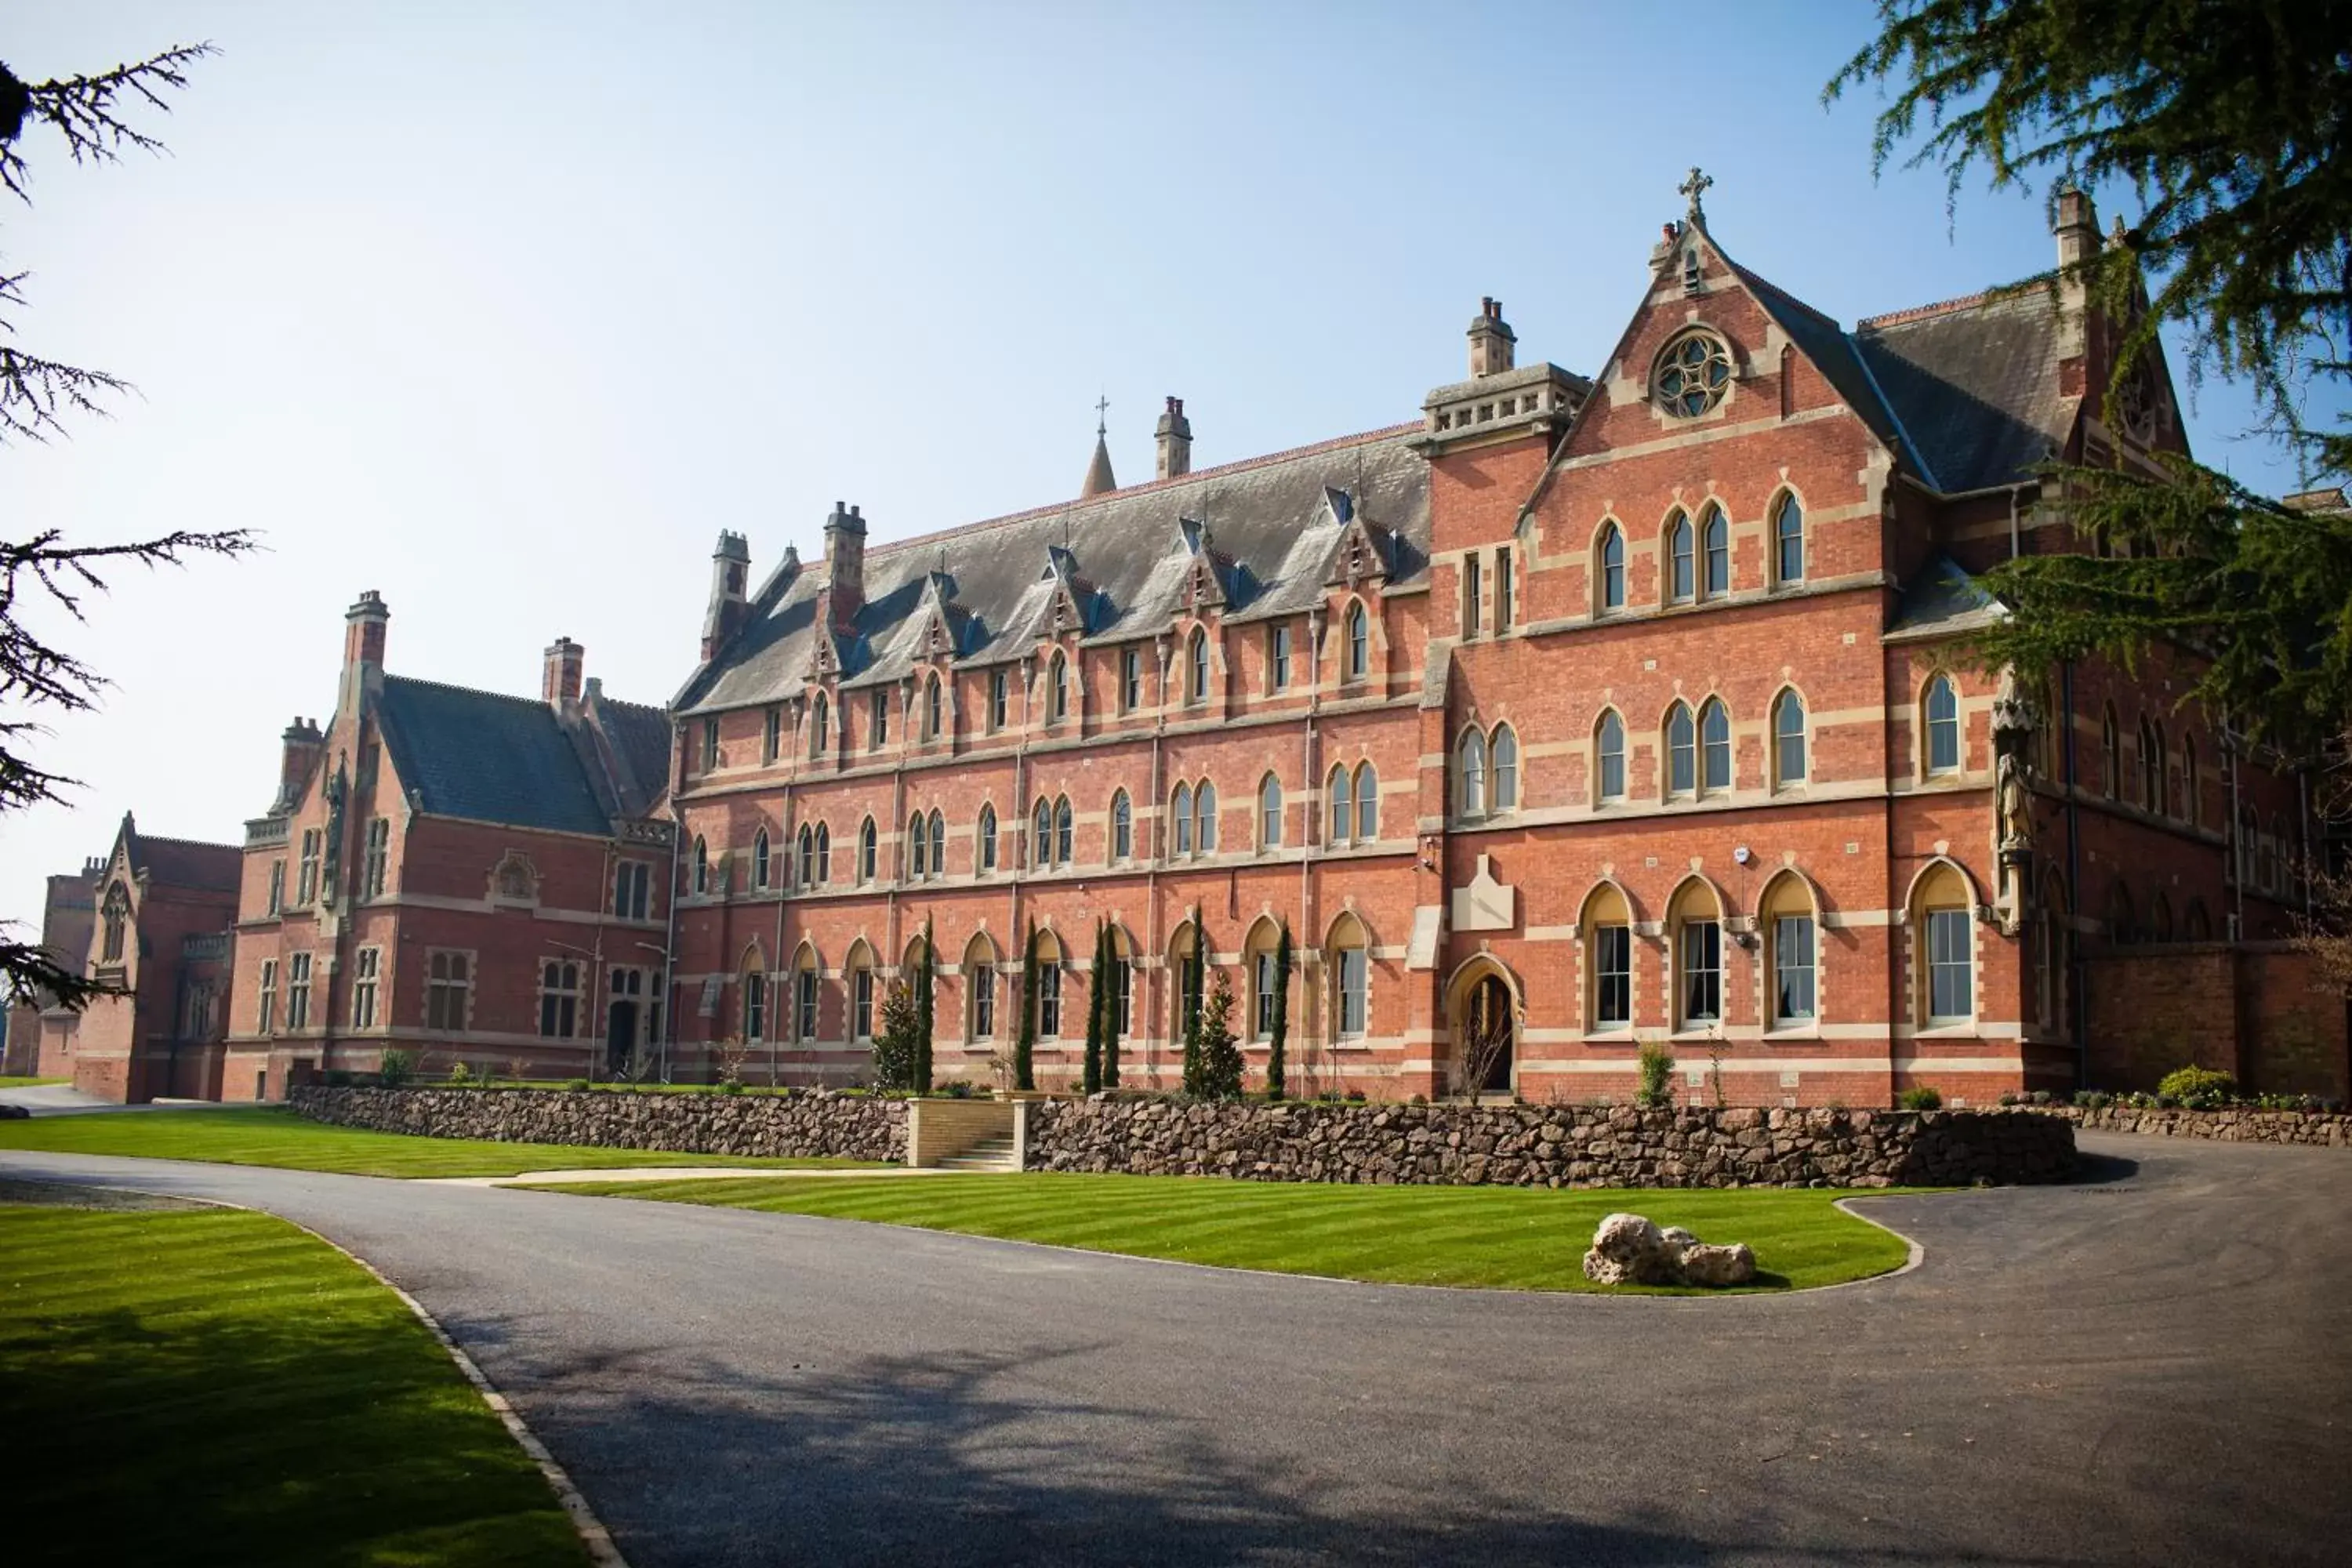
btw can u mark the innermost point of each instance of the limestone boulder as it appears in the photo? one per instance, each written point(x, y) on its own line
point(1704, 1265)
point(1628, 1250)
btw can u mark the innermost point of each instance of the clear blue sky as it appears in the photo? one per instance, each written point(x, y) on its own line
point(506, 310)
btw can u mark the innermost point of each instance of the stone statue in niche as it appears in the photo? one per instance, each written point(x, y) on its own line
point(2014, 720)
point(338, 792)
point(514, 879)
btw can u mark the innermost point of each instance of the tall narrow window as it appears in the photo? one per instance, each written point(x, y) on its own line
point(1041, 834)
point(1507, 768)
point(999, 698)
point(1122, 996)
point(868, 851)
point(939, 845)
point(1368, 804)
point(559, 999)
point(760, 859)
point(1062, 835)
point(1474, 774)
point(1613, 569)
point(861, 1004)
point(1789, 739)
point(308, 886)
point(820, 728)
point(804, 1003)
point(1057, 689)
point(878, 721)
point(1789, 541)
point(277, 887)
point(709, 745)
point(298, 991)
point(1122, 827)
point(1204, 808)
point(772, 732)
point(1269, 814)
point(983, 998)
point(702, 865)
point(1793, 968)
point(1471, 590)
point(1277, 658)
point(1699, 942)
point(1130, 679)
point(1262, 994)
point(824, 854)
point(1609, 746)
point(755, 1005)
point(1714, 747)
point(632, 890)
point(378, 858)
point(1943, 709)
point(987, 835)
point(449, 984)
point(934, 707)
point(1343, 816)
point(1716, 540)
point(808, 856)
point(2193, 788)
point(367, 970)
point(2151, 767)
point(1681, 569)
point(918, 848)
point(1179, 813)
point(1355, 994)
point(269, 997)
point(1359, 643)
point(1682, 752)
point(1049, 998)
point(2110, 755)
point(1196, 687)
point(1950, 994)
point(1505, 607)
point(1613, 977)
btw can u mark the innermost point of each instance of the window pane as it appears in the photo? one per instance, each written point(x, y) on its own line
point(1368, 804)
point(1613, 758)
point(1613, 963)
point(1342, 809)
point(1613, 571)
point(1702, 948)
point(1681, 560)
point(1944, 730)
point(1950, 988)
point(1718, 556)
point(1507, 770)
point(1789, 744)
point(1352, 995)
point(1790, 534)
point(1793, 957)
point(1716, 731)
point(1682, 752)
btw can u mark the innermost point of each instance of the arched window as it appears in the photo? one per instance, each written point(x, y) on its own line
point(918, 845)
point(2123, 922)
point(1607, 924)
point(1204, 808)
point(1368, 804)
point(986, 834)
point(1359, 642)
point(1682, 752)
point(1792, 958)
point(1338, 791)
point(934, 709)
point(1179, 817)
point(1789, 541)
point(2160, 919)
point(1122, 827)
point(1944, 946)
point(1062, 825)
point(755, 1005)
point(1506, 769)
point(1269, 813)
point(2193, 788)
point(1789, 739)
point(1609, 757)
point(702, 865)
point(819, 726)
point(1714, 747)
point(804, 982)
point(939, 845)
point(1349, 960)
point(824, 854)
point(861, 992)
point(868, 851)
point(2199, 925)
point(1714, 540)
point(1041, 834)
point(1609, 569)
point(979, 989)
point(1695, 922)
point(2151, 766)
point(1681, 578)
point(1942, 707)
point(760, 859)
point(1057, 689)
point(808, 856)
point(1474, 774)
point(1196, 687)
point(2111, 765)
point(117, 923)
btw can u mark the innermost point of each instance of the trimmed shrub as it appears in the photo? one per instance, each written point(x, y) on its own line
point(396, 1069)
point(2200, 1089)
point(1921, 1097)
point(1657, 1068)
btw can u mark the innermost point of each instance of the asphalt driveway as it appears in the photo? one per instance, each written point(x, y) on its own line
point(2150, 1366)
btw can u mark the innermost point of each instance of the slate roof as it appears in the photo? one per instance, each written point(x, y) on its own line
point(1943, 600)
point(184, 862)
point(1273, 526)
point(489, 757)
point(1975, 384)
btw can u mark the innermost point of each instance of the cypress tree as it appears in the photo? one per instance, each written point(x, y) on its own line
point(1190, 990)
point(923, 976)
point(1109, 957)
point(1276, 1067)
point(1024, 1045)
point(1090, 1081)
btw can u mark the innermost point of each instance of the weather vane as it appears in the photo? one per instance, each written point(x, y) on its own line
point(1695, 187)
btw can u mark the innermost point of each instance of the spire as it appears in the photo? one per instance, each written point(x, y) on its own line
point(1098, 480)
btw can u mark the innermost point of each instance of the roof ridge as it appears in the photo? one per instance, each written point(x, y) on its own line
point(1757, 279)
point(1241, 465)
point(538, 702)
point(1942, 307)
point(189, 843)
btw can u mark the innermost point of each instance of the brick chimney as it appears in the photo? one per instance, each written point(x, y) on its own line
point(304, 740)
point(2077, 229)
point(844, 564)
point(559, 678)
point(364, 635)
point(1174, 436)
point(730, 568)
point(1491, 340)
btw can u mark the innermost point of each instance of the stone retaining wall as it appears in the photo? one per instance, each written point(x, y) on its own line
point(1550, 1146)
point(803, 1124)
point(2232, 1126)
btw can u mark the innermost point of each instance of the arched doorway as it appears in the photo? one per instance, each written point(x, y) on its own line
point(1486, 1037)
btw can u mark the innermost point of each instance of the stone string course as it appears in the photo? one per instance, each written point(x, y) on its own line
point(2222, 1126)
point(807, 1124)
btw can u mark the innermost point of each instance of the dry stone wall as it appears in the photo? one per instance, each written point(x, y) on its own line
point(2228, 1126)
point(800, 1124)
point(1550, 1146)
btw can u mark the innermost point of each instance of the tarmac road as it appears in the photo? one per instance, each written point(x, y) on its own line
point(2150, 1366)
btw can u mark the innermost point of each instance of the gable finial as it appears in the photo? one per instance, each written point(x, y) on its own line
point(1695, 187)
point(1102, 407)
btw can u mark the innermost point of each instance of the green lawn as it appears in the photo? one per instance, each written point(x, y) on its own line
point(1499, 1238)
point(9, 1082)
point(275, 1137)
point(214, 1386)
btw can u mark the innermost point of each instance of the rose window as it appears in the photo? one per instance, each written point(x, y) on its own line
point(1692, 374)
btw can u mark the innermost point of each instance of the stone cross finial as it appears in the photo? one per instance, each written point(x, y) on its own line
point(1695, 187)
point(1102, 407)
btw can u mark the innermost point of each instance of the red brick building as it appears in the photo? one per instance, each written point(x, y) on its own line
point(150, 921)
point(1626, 708)
point(476, 878)
point(68, 908)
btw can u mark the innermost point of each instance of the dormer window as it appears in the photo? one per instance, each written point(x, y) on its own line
point(1692, 374)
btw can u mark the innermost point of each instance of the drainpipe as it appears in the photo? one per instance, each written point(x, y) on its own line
point(669, 928)
point(2074, 883)
point(1021, 824)
point(1320, 815)
point(1154, 985)
point(2234, 849)
point(776, 885)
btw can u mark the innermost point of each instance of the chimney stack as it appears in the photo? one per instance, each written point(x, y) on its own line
point(1174, 436)
point(559, 677)
point(2076, 227)
point(731, 565)
point(1491, 340)
point(845, 563)
point(364, 636)
point(304, 743)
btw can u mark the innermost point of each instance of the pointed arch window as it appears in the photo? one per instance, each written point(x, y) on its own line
point(1196, 686)
point(2110, 753)
point(1714, 747)
point(2151, 766)
point(934, 707)
point(819, 726)
point(1338, 791)
point(1681, 567)
point(1474, 774)
point(1608, 752)
point(1041, 834)
point(1505, 753)
point(1715, 541)
point(1269, 813)
point(1697, 928)
point(1062, 821)
point(1943, 710)
point(759, 859)
point(806, 843)
point(1368, 804)
point(2193, 800)
point(939, 845)
point(1608, 926)
point(1057, 689)
point(1789, 740)
point(1611, 570)
point(1205, 811)
point(869, 844)
point(918, 847)
point(1789, 932)
point(1788, 542)
point(980, 985)
point(1359, 642)
point(1682, 752)
point(987, 834)
point(1122, 827)
point(1180, 817)
point(702, 865)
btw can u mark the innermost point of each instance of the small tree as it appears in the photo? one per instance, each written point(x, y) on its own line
point(897, 1044)
point(1485, 1036)
point(1276, 1065)
point(1110, 958)
point(1219, 1053)
point(1657, 1068)
point(1091, 1079)
point(923, 977)
point(1024, 1044)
